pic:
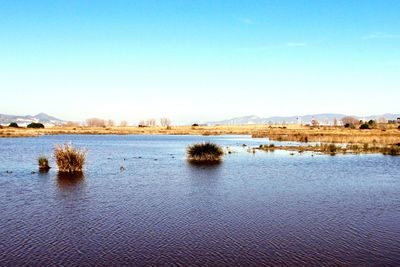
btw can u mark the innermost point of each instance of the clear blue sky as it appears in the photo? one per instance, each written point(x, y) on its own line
point(199, 60)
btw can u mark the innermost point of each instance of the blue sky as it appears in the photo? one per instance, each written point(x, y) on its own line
point(199, 60)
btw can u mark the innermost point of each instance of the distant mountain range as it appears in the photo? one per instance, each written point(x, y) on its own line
point(25, 120)
point(324, 119)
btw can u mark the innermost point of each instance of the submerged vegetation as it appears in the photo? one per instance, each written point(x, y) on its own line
point(43, 163)
point(205, 152)
point(69, 159)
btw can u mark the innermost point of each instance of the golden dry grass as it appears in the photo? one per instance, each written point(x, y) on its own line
point(69, 159)
point(332, 149)
point(385, 134)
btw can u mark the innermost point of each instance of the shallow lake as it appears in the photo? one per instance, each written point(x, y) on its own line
point(251, 210)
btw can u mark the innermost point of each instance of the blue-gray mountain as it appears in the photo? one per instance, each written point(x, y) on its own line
point(327, 118)
point(25, 120)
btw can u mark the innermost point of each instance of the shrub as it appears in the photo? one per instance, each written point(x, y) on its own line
point(43, 163)
point(69, 159)
point(14, 125)
point(195, 125)
point(205, 152)
point(398, 127)
point(35, 125)
point(349, 125)
point(365, 126)
point(372, 123)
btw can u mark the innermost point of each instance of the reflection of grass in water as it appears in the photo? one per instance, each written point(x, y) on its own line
point(208, 165)
point(44, 171)
point(65, 180)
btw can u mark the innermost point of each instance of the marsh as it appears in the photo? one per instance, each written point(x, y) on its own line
point(252, 209)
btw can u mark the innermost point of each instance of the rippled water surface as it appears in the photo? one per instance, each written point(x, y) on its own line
point(251, 210)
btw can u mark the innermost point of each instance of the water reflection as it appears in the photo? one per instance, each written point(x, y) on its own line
point(204, 164)
point(66, 181)
point(43, 171)
point(204, 173)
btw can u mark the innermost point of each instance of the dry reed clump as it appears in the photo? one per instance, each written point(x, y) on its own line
point(43, 163)
point(332, 149)
point(205, 152)
point(392, 151)
point(69, 159)
point(372, 136)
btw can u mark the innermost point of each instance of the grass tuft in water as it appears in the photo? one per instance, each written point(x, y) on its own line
point(205, 152)
point(43, 163)
point(69, 159)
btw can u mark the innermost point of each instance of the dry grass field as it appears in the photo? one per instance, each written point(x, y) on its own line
point(383, 135)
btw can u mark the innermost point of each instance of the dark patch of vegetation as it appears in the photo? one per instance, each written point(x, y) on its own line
point(392, 151)
point(69, 159)
point(349, 125)
point(331, 149)
point(195, 125)
point(365, 126)
point(13, 125)
point(205, 152)
point(36, 125)
point(43, 163)
point(372, 123)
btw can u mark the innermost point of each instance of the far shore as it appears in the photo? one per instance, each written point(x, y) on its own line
point(385, 134)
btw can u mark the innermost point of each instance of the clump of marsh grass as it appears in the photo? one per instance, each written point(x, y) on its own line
point(69, 159)
point(391, 150)
point(205, 152)
point(43, 163)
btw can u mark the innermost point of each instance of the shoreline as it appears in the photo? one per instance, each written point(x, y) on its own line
point(384, 135)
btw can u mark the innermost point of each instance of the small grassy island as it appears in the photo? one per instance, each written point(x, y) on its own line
point(69, 159)
point(43, 164)
point(205, 153)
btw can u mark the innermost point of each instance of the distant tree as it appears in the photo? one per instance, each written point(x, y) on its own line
point(365, 126)
point(95, 122)
point(372, 124)
point(110, 123)
point(35, 125)
point(314, 122)
point(72, 124)
point(14, 125)
point(350, 120)
point(123, 123)
point(151, 122)
point(382, 120)
point(142, 123)
point(349, 125)
point(165, 122)
point(195, 125)
point(335, 122)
